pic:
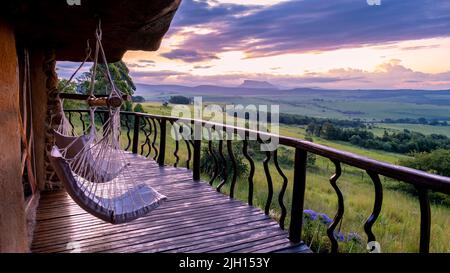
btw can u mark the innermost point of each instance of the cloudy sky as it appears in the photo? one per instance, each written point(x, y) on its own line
point(314, 43)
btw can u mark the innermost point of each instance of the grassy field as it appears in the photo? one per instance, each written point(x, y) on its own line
point(340, 104)
point(424, 129)
point(342, 109)
point(397, 229)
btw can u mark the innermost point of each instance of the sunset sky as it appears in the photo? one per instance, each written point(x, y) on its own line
point(302, 43)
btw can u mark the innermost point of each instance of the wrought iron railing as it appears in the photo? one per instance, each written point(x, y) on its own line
point(147, 135)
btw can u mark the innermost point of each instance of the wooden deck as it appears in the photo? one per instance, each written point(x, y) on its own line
point(196, 218)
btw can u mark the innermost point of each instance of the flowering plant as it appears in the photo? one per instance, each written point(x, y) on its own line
point(315, 225)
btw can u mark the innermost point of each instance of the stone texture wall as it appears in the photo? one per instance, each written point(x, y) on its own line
point(53, 118)
point(13, 233)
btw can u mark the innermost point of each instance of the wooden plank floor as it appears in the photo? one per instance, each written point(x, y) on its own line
point(196, 218)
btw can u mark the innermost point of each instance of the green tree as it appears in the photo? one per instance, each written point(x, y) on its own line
point(179, 100)
point(64, 86)
point(120, 75)
point(311, 158)
point(138, 99)
point(207, 161)
point(139, 108)
point(437, 161)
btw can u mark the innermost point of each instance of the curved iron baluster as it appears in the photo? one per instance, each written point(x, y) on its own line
point(150, 130)
point(191, 141)
point(269, 182)
point(216, 163)
point(283, 189)
point(340, 211)
point(142, 128)
point(188, 147)
point(82, 121)
point(224, 167)
point(376, 208)
point(233, 165)
point(128, 132)
point(252, 171)
point(155, 131)
point(71, 124)
point(177, 144)
point(147, 134)
point(425, 220)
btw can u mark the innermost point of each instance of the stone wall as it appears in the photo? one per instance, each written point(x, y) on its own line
point(53, 118)
point(13, 233)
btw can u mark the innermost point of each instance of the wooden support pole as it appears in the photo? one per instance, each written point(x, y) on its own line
point(162, 143)
point(197, 150)
point(136, 129)
point(298, 196)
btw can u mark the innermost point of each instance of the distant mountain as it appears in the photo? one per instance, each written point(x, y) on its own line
point(257, 85)
point(264, 90)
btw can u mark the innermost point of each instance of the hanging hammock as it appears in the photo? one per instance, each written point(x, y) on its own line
point(93, 168)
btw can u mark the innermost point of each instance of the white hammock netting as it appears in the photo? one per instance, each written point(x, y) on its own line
point(95, 170)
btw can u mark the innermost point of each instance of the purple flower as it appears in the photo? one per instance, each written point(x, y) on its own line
point(325, 219)
point(310, 214)
point(339, 236)
point(353, 236)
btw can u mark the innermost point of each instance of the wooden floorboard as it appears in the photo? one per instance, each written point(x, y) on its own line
point(196, 218)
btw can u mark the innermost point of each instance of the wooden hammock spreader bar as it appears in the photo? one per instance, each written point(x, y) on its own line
point(85, 97)
point(110, 102)
point(99, 100)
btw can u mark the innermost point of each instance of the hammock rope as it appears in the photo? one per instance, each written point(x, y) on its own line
point(92, 166)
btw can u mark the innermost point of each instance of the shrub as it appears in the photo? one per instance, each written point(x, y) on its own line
point(180, 100)
point(207, 161)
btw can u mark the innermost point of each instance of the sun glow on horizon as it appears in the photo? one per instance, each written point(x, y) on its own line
point(417, 55)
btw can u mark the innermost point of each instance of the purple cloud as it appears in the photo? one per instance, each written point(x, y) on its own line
point(66, 69)
point(391, 74)
point(299, 26)
point(190, 56)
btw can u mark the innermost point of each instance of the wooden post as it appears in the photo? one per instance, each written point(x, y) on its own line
point(13, 232)
point(162, 143)
point(196, 167)
point(425, 220)
point(298, 196)
point(197, 151)
point(136, 129)
point(39, 97)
